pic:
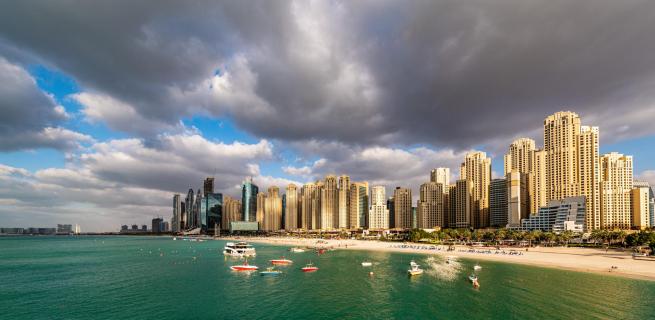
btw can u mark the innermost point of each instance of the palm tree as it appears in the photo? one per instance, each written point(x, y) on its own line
point(566, 236)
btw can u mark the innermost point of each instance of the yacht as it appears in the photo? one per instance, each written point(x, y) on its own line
point(281, 261)
point(244, 267)
point(297, 250)
point(239, 249)
point(414, 269)
point(309, 268)
point(367, 264)
point(270, 271)
point(477, 267)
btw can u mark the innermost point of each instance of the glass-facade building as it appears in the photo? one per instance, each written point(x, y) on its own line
point(211, 210)
point(249, 201)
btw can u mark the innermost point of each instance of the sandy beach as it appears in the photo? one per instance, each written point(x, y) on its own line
point(575, 259)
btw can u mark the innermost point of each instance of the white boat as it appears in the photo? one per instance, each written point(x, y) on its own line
point(367, 264)
point(477, 267)
point(174, 238)
point(297, 250)
point(414, 269)
point(473, 278)
point(239, 249)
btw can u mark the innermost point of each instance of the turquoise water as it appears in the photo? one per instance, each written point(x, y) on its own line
point(157, 278)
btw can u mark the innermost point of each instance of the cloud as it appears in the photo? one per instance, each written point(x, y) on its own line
point(109, 177)
point(30, 118)
point(648, 176)
point(363, 73)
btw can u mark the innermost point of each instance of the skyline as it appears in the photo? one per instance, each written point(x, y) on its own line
point(94, 140)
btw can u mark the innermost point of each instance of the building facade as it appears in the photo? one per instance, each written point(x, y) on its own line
point(440, 175)
point(476, 168)
point(430, 206)
point(249, 193)
point(344, 202)
point(498, 203)
point(359, 204)
point(616, 194)
point(291, 214)
point(402, 207)
point(330, 203)
point(378, 213)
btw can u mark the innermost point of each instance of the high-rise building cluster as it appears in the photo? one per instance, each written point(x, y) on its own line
point(564, 185)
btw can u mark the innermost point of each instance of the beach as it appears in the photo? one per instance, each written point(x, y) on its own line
point(593, 260)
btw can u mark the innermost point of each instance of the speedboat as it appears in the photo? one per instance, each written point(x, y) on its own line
point(297, 250)
point(367, 264)
point(414, 269)
point(281, 261)
point(473, 278)
point(244, 267)
point(309, 268)
point(477, 267)
point(239, 249)
point(270, 271)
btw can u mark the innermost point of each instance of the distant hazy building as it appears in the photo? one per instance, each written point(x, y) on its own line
point(402, 207)
point(430, 206)
point(249, 193)
point(144, 227)
point(616, 188)
point(344, 202)
point(208, 185)
point(392, 219)
point(330, 203)
point(188, 203)
point(440, 175)
point(177, 213)
point(498, 203)
point(77, 229)
point(64, 228)
point(291, 208)
point(358, 205)
point(157, 225)
point(379, 213)
point(476, 169)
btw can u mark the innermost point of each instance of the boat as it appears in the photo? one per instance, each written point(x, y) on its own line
point(477, 267)
point(414, 269)
point(309, 268)
point(270, 271)
point(174, 238)
point(476, 284)
point(244, 267)
point(367, 264)
point(473, 278)
point(239, 249)
point(281, 261)
point(297, 250)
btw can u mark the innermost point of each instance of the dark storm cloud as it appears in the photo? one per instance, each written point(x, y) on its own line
point(446, 73)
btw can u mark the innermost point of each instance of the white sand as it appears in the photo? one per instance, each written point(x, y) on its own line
point(576, 259)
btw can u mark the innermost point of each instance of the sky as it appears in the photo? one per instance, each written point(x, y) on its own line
point(109, 108)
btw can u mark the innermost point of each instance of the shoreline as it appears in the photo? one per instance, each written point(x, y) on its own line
point(590, 260)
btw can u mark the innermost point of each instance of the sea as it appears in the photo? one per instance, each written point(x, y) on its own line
point(137, 277)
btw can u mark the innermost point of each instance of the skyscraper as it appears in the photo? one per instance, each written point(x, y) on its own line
point(358, 205)
point(616, 195)
point(261, 209)
point(273, 210)
point(440, 175)
point(379, 213)
point(308, 194)
point(461, 204)
point(402, 207)
point(430, 206)
point(517, 198)
point(330, 203)
point(589, 174)
point(344, 202)
point(537, 182)
point(651, 200)
point(177, 213)
point(640, 207)
point(189, 201)
point(249, 200)
point(291, 208)
point(520, 156)
point(476, 168)
point(498, 203)
point(208, 185)
point(231, 211)
point(211, 211)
